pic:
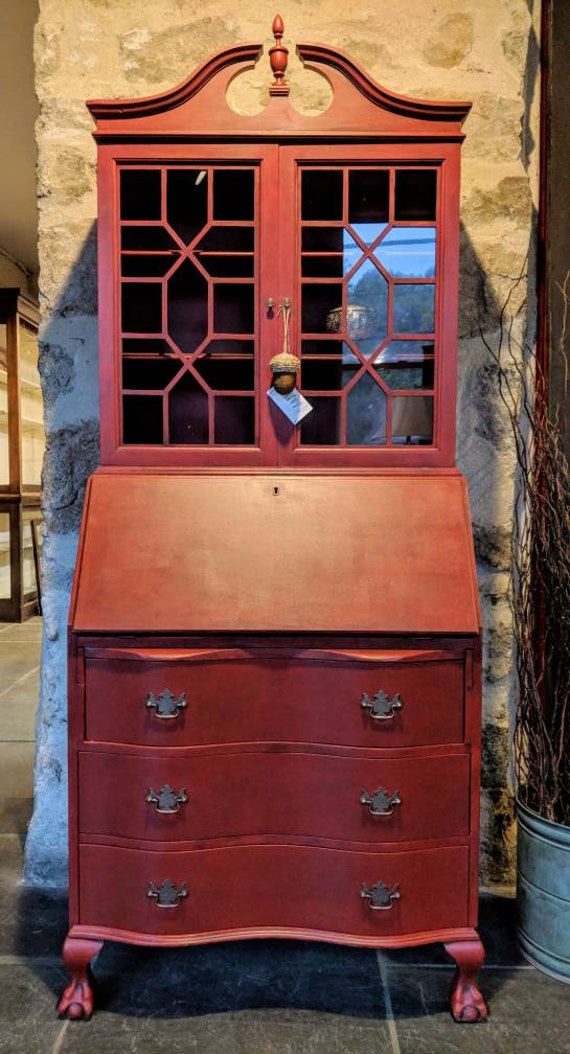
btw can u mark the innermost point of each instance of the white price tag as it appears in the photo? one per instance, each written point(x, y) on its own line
point(294, 405)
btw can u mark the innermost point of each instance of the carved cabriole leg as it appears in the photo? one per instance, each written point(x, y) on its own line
point(467, 1003)
point(77, 1000)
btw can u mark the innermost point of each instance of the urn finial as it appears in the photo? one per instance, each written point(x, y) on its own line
point(278, 56)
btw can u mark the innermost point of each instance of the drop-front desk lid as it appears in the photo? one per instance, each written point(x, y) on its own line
point(182, 553)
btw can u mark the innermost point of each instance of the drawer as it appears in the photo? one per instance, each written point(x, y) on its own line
point(259, 793)
point(234, 696)
point(241, 890)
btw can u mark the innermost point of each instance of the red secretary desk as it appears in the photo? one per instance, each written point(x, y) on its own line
point(274, 635)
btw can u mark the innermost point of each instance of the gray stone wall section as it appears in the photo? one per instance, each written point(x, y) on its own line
point(484, 50)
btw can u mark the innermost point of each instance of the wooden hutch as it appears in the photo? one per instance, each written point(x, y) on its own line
point(274, 632)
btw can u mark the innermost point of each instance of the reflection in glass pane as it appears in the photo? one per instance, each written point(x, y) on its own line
point(398, 378)
point(406, 351)
point(142, 419)
point(233, 308)
point(187, 299)
point(414, 308)
point(349, 356)
point(234, 194)
point(412, 419)
point(234, 420)
point(406, 364)
point(322, 426)
point(187, 201)
point(368, 196)
point(369, 232)
point(141, 307)
point(352, 252)
point(5, 580)
point(188, 412)
point(31, 407)
point(408, 252)
point(140, 194)
point(366, 414)
point(367, 308)
point(334, 265)
point(416, 191)
point(4, 457)
point(321, 196)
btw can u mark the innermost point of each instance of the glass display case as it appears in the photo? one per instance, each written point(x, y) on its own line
point(22, 442)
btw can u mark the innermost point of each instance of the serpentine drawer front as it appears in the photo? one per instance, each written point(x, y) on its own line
point(229, 696)
point(210, 892)
point(290, 793)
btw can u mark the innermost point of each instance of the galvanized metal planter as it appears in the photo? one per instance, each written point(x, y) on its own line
point(543, 893)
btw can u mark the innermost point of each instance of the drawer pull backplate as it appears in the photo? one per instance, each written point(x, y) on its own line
point(167, 895)
point(167, 801)
point(380, 897)
point(165, 706)
point(381, 707)
point(381, 803)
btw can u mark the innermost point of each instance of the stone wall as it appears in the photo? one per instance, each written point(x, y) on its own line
point(484, 50)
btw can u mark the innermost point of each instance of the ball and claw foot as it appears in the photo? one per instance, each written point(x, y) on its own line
point(467, 1003)
point(76, 1002)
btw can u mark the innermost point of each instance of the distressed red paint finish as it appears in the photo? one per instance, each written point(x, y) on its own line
point(283, 615)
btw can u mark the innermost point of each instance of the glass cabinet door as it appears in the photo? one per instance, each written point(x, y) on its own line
point(190, 237)
point(350, 238)
point(367, 289)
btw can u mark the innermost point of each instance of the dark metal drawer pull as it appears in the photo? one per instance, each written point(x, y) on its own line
point(165, 706)
point(380, 803)
point(167, 801)
point(381, 707)
point(167, 895)
point(380, 897)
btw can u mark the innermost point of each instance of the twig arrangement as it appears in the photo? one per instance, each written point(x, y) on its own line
point(541, 579)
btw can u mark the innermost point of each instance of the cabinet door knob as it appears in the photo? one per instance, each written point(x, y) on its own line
point(381, 707)
point(380, 897)
point(165, 706)
point(167, 895)
point(167, 801)
point(381, 803)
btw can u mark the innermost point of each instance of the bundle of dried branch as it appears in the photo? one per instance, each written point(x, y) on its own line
point(541, 583)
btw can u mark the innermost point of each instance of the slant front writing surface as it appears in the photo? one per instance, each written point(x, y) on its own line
point(203, 553)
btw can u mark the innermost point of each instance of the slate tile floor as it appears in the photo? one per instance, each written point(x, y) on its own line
point(257, 997)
